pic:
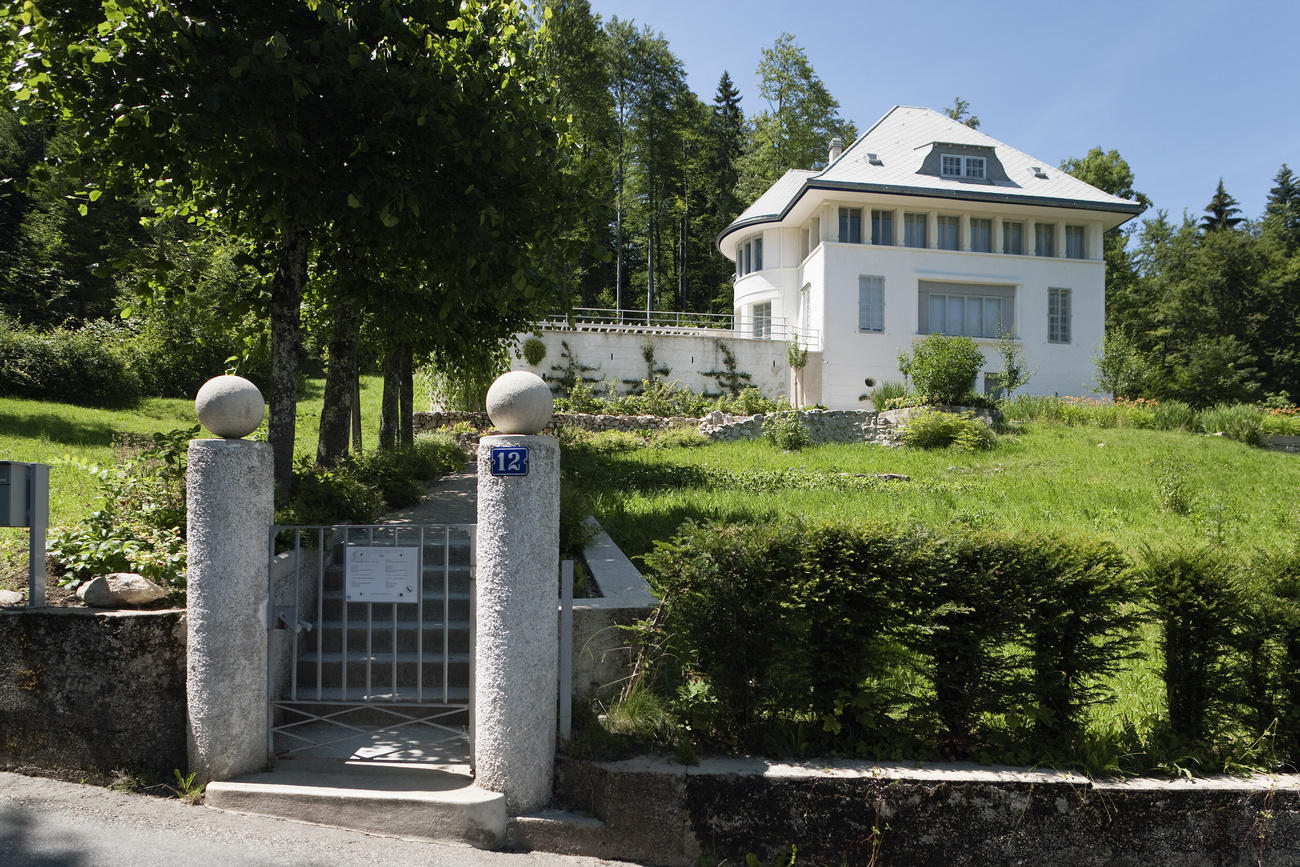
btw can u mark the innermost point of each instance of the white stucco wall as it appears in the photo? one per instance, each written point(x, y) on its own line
point(618, 357)
point(850, 356)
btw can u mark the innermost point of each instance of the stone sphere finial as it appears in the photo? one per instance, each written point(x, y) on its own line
point(230, 406)
point(519, 402)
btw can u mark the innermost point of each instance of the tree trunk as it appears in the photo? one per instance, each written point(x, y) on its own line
point(336, 413)
point(406, 408)
point(356, 409)
point(286, 337)
point(389, 411)
point(650, 272)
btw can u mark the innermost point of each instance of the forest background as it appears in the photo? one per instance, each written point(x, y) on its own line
point(352, 190)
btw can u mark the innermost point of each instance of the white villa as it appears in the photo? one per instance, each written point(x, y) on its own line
point(924, 225)
point(921, 226)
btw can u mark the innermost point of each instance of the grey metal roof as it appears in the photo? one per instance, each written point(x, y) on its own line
point(900, 141)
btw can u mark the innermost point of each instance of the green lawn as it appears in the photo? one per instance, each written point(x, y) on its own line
point(1098, 483)
point(65, 435)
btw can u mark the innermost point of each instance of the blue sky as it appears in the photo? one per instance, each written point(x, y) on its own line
point(1185, 91)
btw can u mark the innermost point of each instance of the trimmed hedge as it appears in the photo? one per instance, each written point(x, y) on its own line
point(880, 642)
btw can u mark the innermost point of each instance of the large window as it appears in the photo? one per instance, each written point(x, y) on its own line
point(871, 304)
point(914, 230)
point(981, 235)
point(1044, 239)
point(1013, 238)
point(850, 226)
point(1074, 242)
point(949, 229)
point(882, 227)
point(1058, 315)
point(763, 320)
point(749, 256)
point(966, 309)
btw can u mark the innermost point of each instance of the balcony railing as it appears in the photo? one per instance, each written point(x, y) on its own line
point(665, 322)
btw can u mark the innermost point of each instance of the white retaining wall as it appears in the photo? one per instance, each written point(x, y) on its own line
point(618, 356)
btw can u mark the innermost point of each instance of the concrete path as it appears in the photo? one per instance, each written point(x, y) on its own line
point(453, 499)
point(47, 822)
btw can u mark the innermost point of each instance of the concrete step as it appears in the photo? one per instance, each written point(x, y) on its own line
point(408, 800)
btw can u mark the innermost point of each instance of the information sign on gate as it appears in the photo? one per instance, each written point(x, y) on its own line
point(382, 574)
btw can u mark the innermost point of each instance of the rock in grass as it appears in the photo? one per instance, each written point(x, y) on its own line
point(119, 588)
point(10, 597)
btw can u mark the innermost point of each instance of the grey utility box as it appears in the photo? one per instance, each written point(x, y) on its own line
point(24, 494)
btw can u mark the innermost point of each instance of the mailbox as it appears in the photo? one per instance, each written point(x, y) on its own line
point(24, 494)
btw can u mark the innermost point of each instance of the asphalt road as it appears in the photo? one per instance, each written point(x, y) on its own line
point(48, 823)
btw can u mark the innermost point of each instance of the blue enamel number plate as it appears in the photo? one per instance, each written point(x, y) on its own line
point(509, 460)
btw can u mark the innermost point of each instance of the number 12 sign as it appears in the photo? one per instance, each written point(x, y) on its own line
point(509, 460)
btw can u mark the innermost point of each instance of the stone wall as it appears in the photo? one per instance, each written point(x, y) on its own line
point(838, 812)
point(432, 421)
point(823, 426)
point(84, 693)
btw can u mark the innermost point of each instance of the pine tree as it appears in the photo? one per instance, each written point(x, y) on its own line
point(1282, 215)
point(1219, 212)
point(727, 130)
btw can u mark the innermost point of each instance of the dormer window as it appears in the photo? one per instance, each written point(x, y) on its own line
point(958, 166)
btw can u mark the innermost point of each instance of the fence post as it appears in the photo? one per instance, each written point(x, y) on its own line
point(516, 655)
point(230, 505)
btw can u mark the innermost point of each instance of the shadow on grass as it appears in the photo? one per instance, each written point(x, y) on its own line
point(56, 429)
point(636, 534)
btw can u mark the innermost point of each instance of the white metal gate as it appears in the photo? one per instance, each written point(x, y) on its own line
point(370, 655)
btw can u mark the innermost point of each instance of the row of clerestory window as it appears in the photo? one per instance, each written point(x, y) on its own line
point(948, 233)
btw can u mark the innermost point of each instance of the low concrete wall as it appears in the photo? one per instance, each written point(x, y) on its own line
point(657, 812)
point(84, 693)
point(602, 653)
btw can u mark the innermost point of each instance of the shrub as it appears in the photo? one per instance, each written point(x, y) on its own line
point(1240, 422)
point(750, 401)
point(534, 351)
point(91, 365)
point(942, 367)
point(140, 526)
point(1174, 415)
point(785, 431)
point(330, 495)
point(398, 474)
point(931, 429)
point(679, 438)
point(887, 391)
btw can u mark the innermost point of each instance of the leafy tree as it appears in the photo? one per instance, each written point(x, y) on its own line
point(798, 124)
point(576, 57)
point(1110, 173)
point(405, 128)
point(1219, 213)
point(960, 112)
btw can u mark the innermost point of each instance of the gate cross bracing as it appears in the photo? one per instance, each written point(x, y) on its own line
point(377, 681)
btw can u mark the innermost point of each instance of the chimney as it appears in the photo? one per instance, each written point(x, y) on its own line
point(837, 148)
